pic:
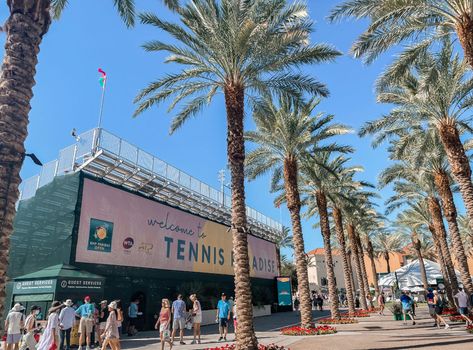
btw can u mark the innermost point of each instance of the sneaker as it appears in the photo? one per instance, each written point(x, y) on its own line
point(220, 339)
point(413, 323)
point(198, 341)
point(87, 348)
point(182, 343)
point(435, 325)
point(79, 348)
point(193, 342)
point(447, 326)
point(225, 339)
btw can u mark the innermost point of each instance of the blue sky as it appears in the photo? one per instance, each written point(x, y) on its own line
point(90, 35)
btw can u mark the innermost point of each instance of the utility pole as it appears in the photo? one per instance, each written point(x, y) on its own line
point(221, 179)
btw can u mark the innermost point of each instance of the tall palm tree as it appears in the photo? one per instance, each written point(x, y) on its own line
point(285, 134)
point(242, 49)
point(436, 90)
point(423, 148)
point(27, 23)
point(411, 183)
point(416, 217)
point(422, 21)
point(322, 185)
point(466, 233)
point(387, 243)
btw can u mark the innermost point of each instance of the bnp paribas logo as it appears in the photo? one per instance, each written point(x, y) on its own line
point(100, 236)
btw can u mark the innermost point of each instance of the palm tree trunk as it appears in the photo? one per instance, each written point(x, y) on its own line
point(417, 246)
point(325, 229)
point(437, 221)
point(234, 101)
point(361, 256)
point(352, 272)
point(370, 251)
point(464, 30)
point(459, 164)
point(442, 183)
point(294, 207)
point(386, 257)
point(359, 271)
point(347, 274)
point(442, 263)
point(29, 20)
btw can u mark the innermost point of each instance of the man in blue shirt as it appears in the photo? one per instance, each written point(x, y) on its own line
point(86, 324)
point(223, 315)
point(179, 318)
point(132, 316)
point(407, 302)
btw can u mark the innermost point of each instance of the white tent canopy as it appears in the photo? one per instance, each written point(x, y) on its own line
point(409, 276)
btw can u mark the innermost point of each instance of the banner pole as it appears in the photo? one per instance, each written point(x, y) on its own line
point(101, 103)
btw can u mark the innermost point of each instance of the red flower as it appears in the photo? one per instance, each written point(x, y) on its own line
point(319, 330)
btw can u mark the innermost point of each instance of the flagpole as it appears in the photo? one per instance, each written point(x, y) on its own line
point(101, 103)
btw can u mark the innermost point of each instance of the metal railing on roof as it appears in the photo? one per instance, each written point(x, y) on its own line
point(106, 155)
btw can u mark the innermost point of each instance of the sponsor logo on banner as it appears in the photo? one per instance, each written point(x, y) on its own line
point(128, 243)
point(100, 236)
point(145, 248)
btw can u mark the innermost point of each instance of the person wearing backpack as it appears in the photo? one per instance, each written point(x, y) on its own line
point(439, 303)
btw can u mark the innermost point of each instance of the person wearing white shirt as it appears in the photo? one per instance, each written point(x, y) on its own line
point(13, 325)
point(66, 322)
point(462, 299)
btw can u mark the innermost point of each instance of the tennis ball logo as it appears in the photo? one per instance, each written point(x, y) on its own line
point(101, 233)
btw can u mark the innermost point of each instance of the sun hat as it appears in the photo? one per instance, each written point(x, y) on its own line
point(68, 302)
point(18, 307)
point(113, 305)
point(104, 302)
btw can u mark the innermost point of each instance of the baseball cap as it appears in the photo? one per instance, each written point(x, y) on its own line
point(87, 298)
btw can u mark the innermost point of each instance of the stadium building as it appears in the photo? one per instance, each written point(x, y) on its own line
point(109, 220)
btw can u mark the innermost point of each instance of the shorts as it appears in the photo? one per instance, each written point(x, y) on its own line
point(431, 310)
point(179, 323)
point(102, 325)
point(86, 325)
point(223, 322)
point(13, 338)
point(163, 327)
point(438, 310)
point(463, 311)
point(132, 321)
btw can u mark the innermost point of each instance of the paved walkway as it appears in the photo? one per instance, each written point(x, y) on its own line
point(372, 333)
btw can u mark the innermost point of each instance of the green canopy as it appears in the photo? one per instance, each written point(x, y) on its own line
point(59, 271)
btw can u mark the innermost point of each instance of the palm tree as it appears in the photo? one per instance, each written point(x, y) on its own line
point(437, 91)
point(285, 134)
point(411, 183)
point(425, 151)
point(387, 243)
point(285, 241)
point(241, 49)
point(28, 22)
point(323, 184)
point(466, 233)
point(422, 21)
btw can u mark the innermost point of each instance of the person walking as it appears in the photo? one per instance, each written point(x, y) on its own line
point(320, 302)
point(223, 316)
point(86, 323)
point(429, 297)
point(462, 300)
point(163, 323)
point(179, 318)
point(13, 325)
point(102, 318)
point(381, 303)
point(406, 302)
point(119, 317)
point(133, 314)
point(110, 335)
point(50, 337)
point(439, 303)
point(29, 341)
point(196, 313)
point(66, 322)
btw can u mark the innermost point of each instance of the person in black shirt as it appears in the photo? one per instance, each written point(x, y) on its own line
point(103, 315)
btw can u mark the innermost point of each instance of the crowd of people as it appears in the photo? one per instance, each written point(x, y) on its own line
point(102, 326)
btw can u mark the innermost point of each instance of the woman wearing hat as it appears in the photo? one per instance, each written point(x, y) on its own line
point(110, 334)
point(67, 318)
point(13, 325)
point(50, 338)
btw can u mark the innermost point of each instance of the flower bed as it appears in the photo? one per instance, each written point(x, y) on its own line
point(319, 330)
point(343, 320)
point(456, 318)
point(469, 329)
point(361, 313)
point(260, 347)
point(449, 312)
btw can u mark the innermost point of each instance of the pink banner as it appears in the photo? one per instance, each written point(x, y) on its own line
point(120, 228)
